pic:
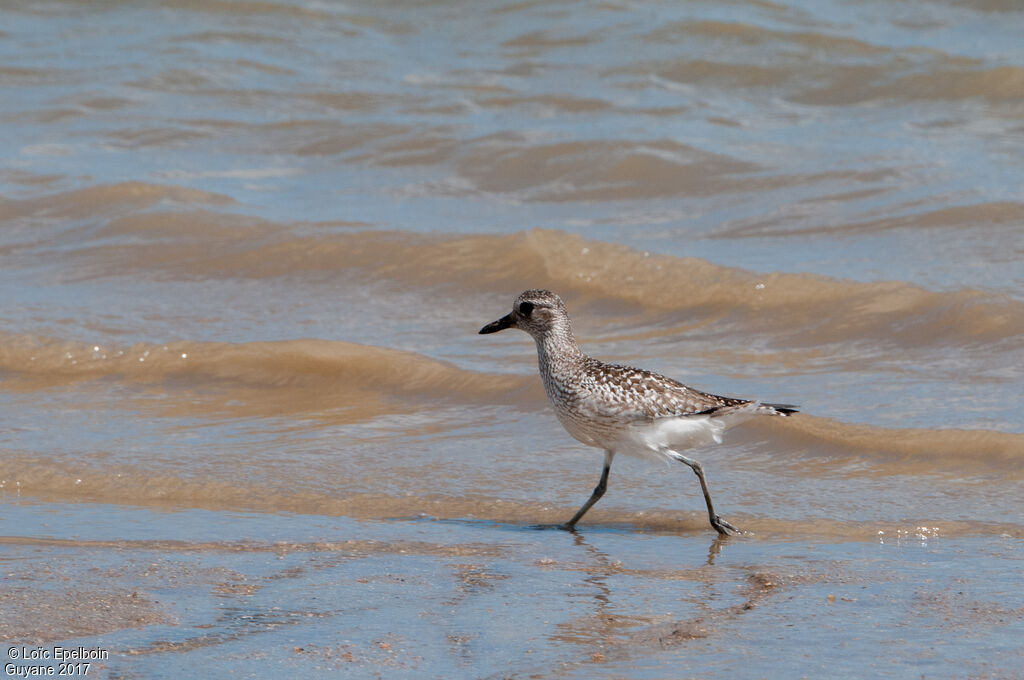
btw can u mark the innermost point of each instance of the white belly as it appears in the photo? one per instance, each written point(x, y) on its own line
point(654, 438)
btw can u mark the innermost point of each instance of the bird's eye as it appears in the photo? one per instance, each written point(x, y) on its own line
point(526, 308)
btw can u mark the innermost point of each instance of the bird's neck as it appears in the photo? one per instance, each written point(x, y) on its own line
point(557, 351)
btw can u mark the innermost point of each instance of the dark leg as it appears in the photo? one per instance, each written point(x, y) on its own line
point(719, 524)
point(596, 495)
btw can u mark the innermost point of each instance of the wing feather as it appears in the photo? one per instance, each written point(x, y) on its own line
point(634, 393)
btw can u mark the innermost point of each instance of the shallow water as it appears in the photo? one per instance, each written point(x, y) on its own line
point(248, 425)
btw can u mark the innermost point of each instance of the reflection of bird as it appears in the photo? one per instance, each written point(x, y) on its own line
point(622, 409)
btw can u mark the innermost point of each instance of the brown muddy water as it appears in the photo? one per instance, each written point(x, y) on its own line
point(247, 427)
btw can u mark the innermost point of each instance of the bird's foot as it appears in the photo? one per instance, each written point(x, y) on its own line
point(723, 527)
point(563, 527)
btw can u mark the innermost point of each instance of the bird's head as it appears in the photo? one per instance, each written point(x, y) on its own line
point(538, 312)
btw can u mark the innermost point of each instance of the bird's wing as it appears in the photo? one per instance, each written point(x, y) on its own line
point(633, 393)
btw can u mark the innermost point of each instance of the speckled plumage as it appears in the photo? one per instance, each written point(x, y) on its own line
point(619, 408)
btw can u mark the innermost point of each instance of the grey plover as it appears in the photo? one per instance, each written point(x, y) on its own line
point(622, 409)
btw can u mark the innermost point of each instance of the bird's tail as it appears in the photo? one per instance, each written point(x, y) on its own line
point(778, 409)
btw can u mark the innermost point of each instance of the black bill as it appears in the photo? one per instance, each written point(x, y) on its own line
point(499, 325)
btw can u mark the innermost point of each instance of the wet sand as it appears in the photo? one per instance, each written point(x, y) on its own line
point(485, 599)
